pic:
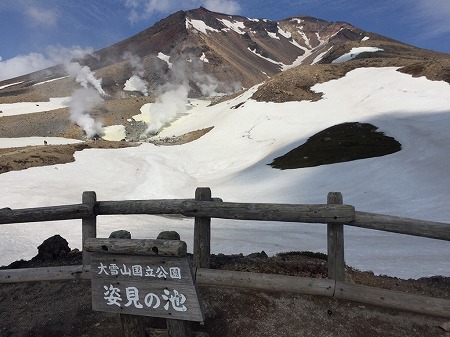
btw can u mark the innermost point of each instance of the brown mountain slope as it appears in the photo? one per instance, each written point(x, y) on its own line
point(232, 49)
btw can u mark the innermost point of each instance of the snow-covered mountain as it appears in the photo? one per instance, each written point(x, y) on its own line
point(347, 81)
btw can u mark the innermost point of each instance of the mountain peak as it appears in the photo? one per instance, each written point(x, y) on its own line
point(233, 48)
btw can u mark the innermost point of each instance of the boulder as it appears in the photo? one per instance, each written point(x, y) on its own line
point(52, 248)
point(121, 234)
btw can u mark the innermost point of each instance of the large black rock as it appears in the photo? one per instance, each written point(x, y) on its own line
point(52, 248)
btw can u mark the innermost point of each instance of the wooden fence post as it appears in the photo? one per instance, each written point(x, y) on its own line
point(202, 233)
point(88, 224)
point(176, 327)
point(335, 239)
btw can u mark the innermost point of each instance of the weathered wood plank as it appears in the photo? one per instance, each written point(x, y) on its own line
point(44, 274)
point(393, 299)
point(156, 206)
point(202, 233)
point(132, 326)
point(52, 213)
point(151, 332)
point(335, 243)
point(136, 246)
point(269, 282)
point(159, 206)
point(88, 224)
point(387, 223)
point(270, 212)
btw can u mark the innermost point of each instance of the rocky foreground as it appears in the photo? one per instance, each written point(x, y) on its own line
point(63, 308)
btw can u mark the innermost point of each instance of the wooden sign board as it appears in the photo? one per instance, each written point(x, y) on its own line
point(145, 285)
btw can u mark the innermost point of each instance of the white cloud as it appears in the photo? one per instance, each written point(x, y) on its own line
point(143, 9)
point(42, 17)
point(222, 6)
point(433, 16)
point(25, 64)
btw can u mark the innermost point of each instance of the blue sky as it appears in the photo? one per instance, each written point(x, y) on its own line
point(37, 33)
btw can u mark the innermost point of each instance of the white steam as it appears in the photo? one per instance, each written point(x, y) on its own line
point(84, 76)
point(83, 100)
point(173, 98)
point(135, 83)
point(81, 103)
point(135, 62)
point(167, 107)
point(25, 64)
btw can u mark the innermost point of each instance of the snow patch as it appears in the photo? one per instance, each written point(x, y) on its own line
point(21, 108)
point(52, 80)
point(203, 58)
point(355, 52)
point(284, 33)
point(9, 85)
point(305, 38)
point(165, 58)
point(273, 35)
point(365, 38)
point(199, 25)
point(319, 57)
point(34, 141)
point(236, 26)
point(265, 58)
point(114, 133)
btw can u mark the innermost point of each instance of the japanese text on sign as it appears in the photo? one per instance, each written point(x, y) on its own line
point(139, 270)
point(157, 286)
point(173, 299)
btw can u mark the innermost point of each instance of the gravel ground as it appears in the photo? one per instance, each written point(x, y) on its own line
point(63, 308)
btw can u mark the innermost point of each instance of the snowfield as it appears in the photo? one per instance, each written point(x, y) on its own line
point(232, 160)
point(11, 109)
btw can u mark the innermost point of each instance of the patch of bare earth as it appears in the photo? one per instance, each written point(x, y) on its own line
point(20, 158)
point(63, 308)
point(182, 139)
point(295, 84)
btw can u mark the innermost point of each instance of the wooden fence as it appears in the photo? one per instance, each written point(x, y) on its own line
point(203, 207)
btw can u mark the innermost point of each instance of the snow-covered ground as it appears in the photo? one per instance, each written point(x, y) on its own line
point(355, 52)
point(232, 159)
point(33, 141)
point(11, 109)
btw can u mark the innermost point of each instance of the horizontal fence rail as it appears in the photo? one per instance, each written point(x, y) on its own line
point(387, 223)
point(270, 212)
point(265, 282)
point(52, 213)
point(320, 213)
point(161, 206)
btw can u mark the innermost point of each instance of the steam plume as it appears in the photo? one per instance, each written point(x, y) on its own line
point(135, 83)
point(83, 100)
point(84, 76)
point(167, 106)
point(135, 62)
point(173, 98)
point(81, 103)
